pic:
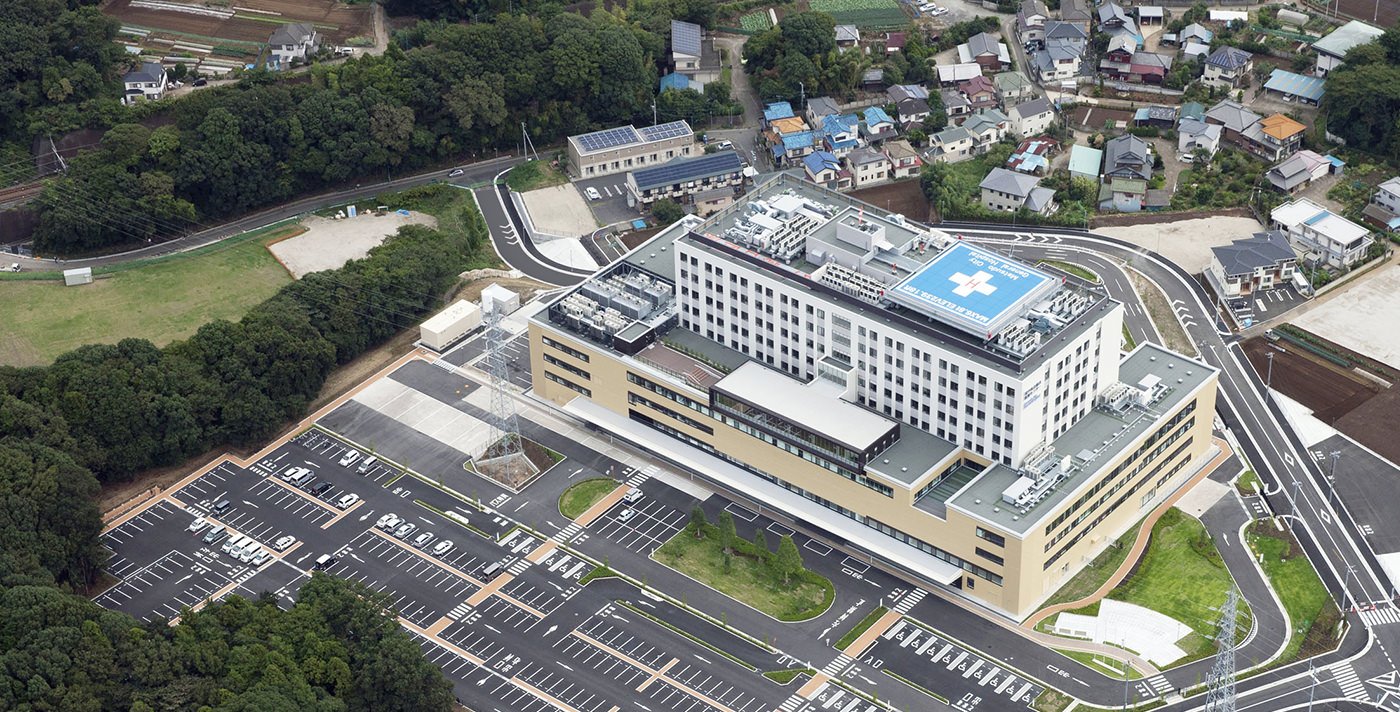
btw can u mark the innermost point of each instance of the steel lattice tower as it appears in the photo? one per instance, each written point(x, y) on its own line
point(1221, 697)
point(505, 429)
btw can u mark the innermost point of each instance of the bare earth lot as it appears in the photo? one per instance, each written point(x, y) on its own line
point(328, 244)
point(1350, 316)
point(559, 209)
point(1186, 242)
point(904, 197)
point(254, 20)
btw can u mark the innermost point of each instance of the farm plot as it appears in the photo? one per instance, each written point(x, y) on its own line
point(756, 21)
point(873, 14)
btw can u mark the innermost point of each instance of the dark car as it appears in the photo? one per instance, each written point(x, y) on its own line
point(320, 489)
point(200, 82)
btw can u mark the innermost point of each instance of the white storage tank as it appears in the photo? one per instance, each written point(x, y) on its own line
point(499, 297)
point(447, 326)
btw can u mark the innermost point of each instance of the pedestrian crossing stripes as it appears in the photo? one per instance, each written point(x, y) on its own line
point(1160, 685)
point(910, 600)
point(792, 703)
point(837, 664)
point(643, 475)
point(567, 533)
point(461, 610)
point(519, 566)
point(1349, 682)
point(1380, 615)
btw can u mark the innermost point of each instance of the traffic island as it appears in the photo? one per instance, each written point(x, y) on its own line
point(582, 495)
point(1311, 610)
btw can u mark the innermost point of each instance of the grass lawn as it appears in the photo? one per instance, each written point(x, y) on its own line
point(861, 627)
point(1051, 701)
point(1073, 269)
point(581, 495)
point(1248, 482)
point(162, 299)
point(1310, 607)
point(748, 579)
point(1128, 338)
point(783, 677)
point(1181, 575)
point(1091, 577)
point(1107, 666)
point(534, 174)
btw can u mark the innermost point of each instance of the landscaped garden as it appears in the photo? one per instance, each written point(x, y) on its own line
point(584, 494)
point(774, 583)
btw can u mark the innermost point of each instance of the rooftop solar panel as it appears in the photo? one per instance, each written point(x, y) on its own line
point(685, 38)
point(687, 169)
point(665, 131)
point(608, 138)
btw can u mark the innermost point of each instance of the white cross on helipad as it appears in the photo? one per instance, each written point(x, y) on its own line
point(976, 283)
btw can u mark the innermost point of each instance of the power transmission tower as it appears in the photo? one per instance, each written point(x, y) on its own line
point(505, 429)
point(1221, 697)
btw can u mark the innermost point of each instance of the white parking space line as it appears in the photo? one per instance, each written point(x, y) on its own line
point(739, 512)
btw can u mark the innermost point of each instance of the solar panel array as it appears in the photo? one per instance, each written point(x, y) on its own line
point(687, 169)
point(608, 138)
point(685, 38)
point(659, 132)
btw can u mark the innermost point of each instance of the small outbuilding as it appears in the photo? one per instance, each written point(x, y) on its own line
point(75, 277)
point(449, 325)
point(498, 297)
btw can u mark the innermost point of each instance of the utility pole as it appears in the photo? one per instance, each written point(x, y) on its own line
point(527, 146)
point(1296, 484)
point(1221, 697)
point(802, 105)
point(1346, 590)
point(1312, 689)
point(653, 112)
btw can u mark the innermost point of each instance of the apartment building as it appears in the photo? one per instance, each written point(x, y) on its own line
point(626, 148)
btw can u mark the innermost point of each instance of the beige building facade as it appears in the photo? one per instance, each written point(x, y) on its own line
point(628, 148)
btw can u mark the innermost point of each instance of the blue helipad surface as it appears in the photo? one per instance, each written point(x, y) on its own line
point(972, 287)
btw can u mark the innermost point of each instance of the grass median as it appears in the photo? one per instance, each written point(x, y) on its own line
point(1310, 608)
point(748, 576)
point(584, 494)
point(861, 627)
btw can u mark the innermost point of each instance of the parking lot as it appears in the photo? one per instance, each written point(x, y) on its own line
point(651, 524)
point(965, 678)
point(611, 206)
point(419, 586)
point(259, 507)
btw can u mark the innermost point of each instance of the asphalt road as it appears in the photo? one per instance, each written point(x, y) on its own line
point(511, 239)
point(474, 173)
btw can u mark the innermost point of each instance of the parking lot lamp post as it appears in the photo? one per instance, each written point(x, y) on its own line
point(1269, 379)
point(1332, 478)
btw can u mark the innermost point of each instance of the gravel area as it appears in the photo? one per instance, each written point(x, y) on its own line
point(561, 209)
point(329, 243)
point(1186, 242)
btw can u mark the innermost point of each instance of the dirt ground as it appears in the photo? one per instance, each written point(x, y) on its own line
point(337, 21)
point(560, 209)
point(1328, 390)
point(1349, 315)
point(1093, 117)
point(329, 244)
point(1186, 242)
point(905, 197)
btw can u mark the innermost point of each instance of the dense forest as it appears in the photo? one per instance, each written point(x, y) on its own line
point(441, 92)
point(1363, 96)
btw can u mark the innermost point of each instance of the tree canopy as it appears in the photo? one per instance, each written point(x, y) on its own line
point(1363, 96)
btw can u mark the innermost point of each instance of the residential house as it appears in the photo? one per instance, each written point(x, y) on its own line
point(1300, 169)
point(1032, 156)
point(1333, 48)
point(1161, 117)
point(790, 138)
point(1127, 156)
point(1077, 12)
point(1273, 138)
point(776, 111)
point(1085, 162)
point(1112, 16)
point(825, 169)
point(847, 36)
point(1013, 88)
point(952, 145)
point(819, 108)
point(294, 41)
point(1139, 67)
point(1228, 67)
point(1195, 138)
point(912, 112)
point(894, 42)
point(955, 104)
point(693, 55)
point(1125, 195)
point(1193, 110)
point(840, 133)
point(144, 83)
point(877, 126)
point(1032, 117)
point(682, 178)
point(1151, 15)
point(1195, 52)
point(873, 79)
point(951, 74)
point(1065, 44)
point(1313, 229)
point(981, 93)
point(1030, 21)
point(900, 92)
point(904, 160)
point(1009, 191)
point(1232, 18)
point(987, 127)
point(868, 167)
point(1289, 86)
point(1254, 264)
point(987, 50)
point(1195, 33)
point(1384, 209)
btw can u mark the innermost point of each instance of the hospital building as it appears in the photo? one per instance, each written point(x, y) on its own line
point(948, 410)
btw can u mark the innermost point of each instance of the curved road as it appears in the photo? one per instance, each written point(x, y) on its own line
point(474, 173)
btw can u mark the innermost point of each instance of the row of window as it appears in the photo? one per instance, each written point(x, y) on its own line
point(568, 384)
point(568, 367)
point(669, 394)
point(634, 399)
point(565, 348)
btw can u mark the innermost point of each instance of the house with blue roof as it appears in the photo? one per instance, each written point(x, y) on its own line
point(877, 126)
point(793, 146)
point(777, 110)
point(841, 133)
point(1290, 86)
point(678, 82)
point(825, 169)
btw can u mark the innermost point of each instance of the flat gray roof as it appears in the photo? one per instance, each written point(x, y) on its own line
point(912, 457)
point(1181, 375)
point(815, 406)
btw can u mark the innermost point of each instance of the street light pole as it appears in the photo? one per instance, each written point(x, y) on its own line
point(1332, 478)
point(1346, 592)
point(1269, 379)
point(1312, 689)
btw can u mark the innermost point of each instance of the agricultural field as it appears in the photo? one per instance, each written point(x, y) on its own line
point(866, 14)
point(216, 36)
point(756, 21)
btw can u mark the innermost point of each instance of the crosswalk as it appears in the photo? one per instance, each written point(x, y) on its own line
point(643, 475)
point(1380, 615)
point(792, 703)
point(910, 600)
point(1351, 684)
point(567, 533)
point(461, 610)
point(837, 664)
point(1159, 685)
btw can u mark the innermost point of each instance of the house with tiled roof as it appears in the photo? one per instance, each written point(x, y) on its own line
point(981, 93)
point(876, 126)
point(1030, 21)
point(987, 127)
point(1013, 88)
point(952, 145)
point(819, 108)
point(912, 112)
point(1262, 261)
point(1271, 138)
point(144, 83)
point(986, 50)
point(1300, 169)
point(1031, 117)
point(1195, 137)
point(868, 166)
point(840, 133)
point(1008, 191)
point(904, 160)
point(1227, 67)
point(825, 169)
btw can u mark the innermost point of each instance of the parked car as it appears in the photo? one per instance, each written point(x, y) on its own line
point(197, 524)
point(284, 543)
point(347, 501)
point(625, 515)
point(592, 193)
point(939, 11)
point(423, 539)
point(350, 458)
point(388, 521)
point(368, 463)
point(323, 562)
point(320, 489)
point(292, 473)
point(261, 557)
point(443, 547)
point(405, 529)
point(632, 495)
point(455, 172)
point(724, 146)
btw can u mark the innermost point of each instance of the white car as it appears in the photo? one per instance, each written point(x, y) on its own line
point(455, 172)
point(261, 557)
point(197, 524)
point(388, 521)
point(405, 529)
point(632, 495)
point(939, 11)
point(442, 547)
point(724, 146)
point(423, 539)
point(283, 543)
point(625, 515)
point(347, 501)
point(292, 473)
point(592, 193)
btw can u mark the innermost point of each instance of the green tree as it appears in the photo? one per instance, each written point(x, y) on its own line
point(727, 533)
point(760, 540)
point(666, 211)
point(788, 560)
point(697, 521)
